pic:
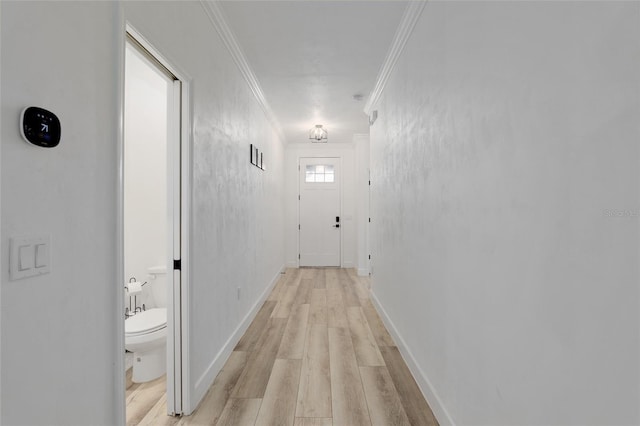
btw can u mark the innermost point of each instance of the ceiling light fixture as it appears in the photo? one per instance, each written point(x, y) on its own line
point(318, 134)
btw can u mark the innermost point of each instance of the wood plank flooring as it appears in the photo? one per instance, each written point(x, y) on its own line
point(317, 354)
point(147, 404)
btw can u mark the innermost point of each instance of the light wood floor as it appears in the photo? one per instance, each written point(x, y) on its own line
point(316, 354)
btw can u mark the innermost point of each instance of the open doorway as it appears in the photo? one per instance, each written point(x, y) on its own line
point(152, 224)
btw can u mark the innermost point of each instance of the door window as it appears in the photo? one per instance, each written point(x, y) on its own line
point(319, 173)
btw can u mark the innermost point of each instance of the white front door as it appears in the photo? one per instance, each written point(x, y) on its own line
point(320, 224)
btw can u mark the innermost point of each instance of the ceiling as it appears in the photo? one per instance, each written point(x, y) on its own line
point(312, 57)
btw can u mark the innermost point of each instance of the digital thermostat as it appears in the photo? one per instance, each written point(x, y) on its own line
point(40, 127)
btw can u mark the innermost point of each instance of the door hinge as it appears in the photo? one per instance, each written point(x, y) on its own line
point(298, 167)
point(369, 220)
point(298, 198)
point(177, 265)
point(298, 227)
point(369, 183)
point(369, 257)
point(298, 256)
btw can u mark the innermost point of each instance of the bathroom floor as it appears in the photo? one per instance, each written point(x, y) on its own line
point(128, 361)
point(147, 403)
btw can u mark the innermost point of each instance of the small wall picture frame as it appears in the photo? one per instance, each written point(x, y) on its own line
point(256, 157)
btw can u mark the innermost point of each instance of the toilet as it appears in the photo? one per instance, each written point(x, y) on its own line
point(145, 334)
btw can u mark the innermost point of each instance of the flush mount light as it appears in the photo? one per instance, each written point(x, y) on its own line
point(318, 134)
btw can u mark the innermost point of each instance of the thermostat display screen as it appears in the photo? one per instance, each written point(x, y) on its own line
point(40, 127)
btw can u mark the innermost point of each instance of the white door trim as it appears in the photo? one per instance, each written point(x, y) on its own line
point(174, 338)
point(178, 376)
point(120, 376)
point(340, 183)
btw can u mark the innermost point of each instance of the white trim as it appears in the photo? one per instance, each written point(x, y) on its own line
point(174, 206)
point(186, 138)
point(176, 71)
point(298, 180)
point(341, 176)
point(363, 272)
point(2, 266)
point(120, 381)
point(206, 379)
point(219, 22)
point(427, 389)
point(407, 23)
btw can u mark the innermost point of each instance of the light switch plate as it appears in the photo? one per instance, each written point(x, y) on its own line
point(29, 256)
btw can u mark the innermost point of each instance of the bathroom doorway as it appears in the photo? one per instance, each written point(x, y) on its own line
point(153, 158)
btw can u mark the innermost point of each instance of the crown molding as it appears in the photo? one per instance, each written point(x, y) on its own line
point(219, 22)
point(407, 23)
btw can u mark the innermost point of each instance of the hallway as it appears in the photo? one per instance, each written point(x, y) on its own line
point(487, 158)
point(316, 354)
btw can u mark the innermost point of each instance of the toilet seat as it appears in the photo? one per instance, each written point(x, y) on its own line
point(146, 322)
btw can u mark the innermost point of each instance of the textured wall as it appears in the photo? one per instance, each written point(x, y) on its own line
point(507, 135)
point(237, 210)
point(59, 330)
point(361, 146)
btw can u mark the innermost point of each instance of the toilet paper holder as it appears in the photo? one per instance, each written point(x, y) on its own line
point(132, 310)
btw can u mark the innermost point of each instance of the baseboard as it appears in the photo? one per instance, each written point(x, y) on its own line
point(427, 389)
point(205, 381)
point(363, 272)
point(348, 265)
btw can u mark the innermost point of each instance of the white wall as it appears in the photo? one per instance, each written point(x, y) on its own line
point(145, 172)
point(293, 152)
point(2, 263)
point(505, 208)
point(59, 330)
point(237, 209)
point(361, 146)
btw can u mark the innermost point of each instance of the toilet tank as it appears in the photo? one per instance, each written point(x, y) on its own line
point(159, 285)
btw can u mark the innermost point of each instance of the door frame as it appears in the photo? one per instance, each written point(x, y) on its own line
point(179, 191)
point(340, 185)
